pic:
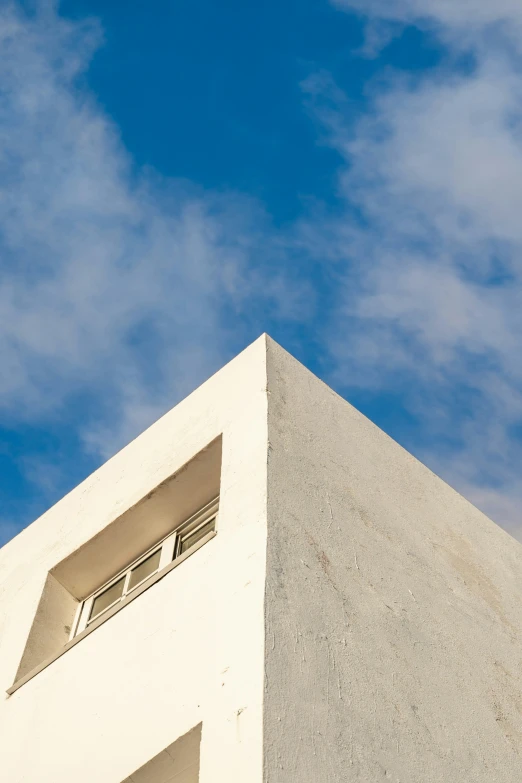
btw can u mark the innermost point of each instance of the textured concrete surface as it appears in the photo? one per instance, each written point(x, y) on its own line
point(187, 651)
point(354, 619)
point(51, 625)
point(393, 608)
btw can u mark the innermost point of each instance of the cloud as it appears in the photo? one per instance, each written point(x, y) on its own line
point(121, 290)
point(428, 253)
point(461, 21)
point(116, 284)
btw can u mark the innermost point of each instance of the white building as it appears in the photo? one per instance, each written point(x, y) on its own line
point(261, 588)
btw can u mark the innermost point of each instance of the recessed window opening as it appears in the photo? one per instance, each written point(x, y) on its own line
point(181, 541)
point(125, 557)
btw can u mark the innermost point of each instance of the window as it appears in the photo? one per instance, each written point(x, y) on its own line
point(157, 559)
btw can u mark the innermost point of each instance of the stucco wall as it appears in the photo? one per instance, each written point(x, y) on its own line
point(189, 650)
point(374, 636)
point(393, 608)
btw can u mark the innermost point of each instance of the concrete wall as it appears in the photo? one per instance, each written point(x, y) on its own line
point(393, 610)
point(187, 651)
point(360, 622)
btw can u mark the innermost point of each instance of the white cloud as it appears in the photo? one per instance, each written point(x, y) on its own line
point(122, 286)
point(432, 270)
point(462, 20)
point(114, 283)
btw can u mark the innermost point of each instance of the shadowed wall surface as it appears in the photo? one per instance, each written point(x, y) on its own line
point(393, 612)
point(353, 619)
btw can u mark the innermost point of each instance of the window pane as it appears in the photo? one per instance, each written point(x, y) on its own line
point(197, 535)
point(107, 598)
point(145, 569)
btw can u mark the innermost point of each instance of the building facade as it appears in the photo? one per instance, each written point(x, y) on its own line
point(265, 588)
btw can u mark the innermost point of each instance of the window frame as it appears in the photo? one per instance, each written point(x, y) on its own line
point(170, 547)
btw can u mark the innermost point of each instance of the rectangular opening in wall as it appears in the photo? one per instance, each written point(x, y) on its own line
point(124, 558)
point(178, 763)
point(136, 576)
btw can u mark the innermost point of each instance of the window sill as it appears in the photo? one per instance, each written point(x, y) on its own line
point(109, 613)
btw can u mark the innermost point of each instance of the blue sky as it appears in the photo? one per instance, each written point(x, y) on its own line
point(177, 178)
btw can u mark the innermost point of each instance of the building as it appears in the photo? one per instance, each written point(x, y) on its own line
point(261, 588)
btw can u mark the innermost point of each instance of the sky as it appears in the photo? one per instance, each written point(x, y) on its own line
point(177, 178)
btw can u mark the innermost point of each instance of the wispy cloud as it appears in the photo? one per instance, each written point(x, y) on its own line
point(124, 290)
point(114, 282)
point(464, 23)
point(432, 261)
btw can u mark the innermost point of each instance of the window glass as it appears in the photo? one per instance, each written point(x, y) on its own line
point(197, 535)
point(107, 598)
point(181, 540)
point(145, 569)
